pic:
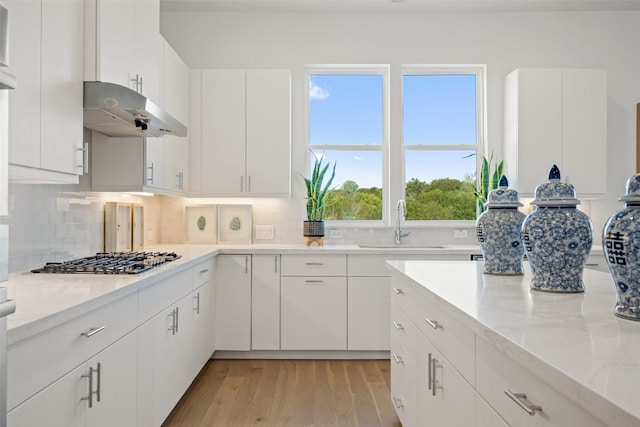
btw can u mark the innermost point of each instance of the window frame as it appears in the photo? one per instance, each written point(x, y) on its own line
point(359, 69)
point(479, 70)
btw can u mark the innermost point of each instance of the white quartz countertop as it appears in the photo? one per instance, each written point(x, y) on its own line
point(572, 341)
point(45, 300)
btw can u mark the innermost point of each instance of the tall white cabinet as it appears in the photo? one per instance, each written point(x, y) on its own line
point(45, 112)
point(244, 136)
point(556, 116)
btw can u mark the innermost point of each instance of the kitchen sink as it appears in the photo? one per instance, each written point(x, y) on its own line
point(400, 246)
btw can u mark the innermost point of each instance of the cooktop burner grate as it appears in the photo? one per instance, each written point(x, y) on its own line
point(110, 263)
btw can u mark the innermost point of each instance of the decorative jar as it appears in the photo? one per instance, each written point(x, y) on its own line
point(621, 246)
point(557, 237)
point(498, 231)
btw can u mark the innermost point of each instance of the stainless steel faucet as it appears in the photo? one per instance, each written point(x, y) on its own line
point(402, 214)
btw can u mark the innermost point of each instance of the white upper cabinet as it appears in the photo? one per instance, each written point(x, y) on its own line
point(45, 112)
point(242, 146)
point(556, 116)
point(123, 44)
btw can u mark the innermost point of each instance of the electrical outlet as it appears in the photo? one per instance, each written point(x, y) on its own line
point(336, 234)
point(460, 234)
point(264, 232)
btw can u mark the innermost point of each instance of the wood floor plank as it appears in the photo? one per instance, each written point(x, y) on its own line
point(297, 393)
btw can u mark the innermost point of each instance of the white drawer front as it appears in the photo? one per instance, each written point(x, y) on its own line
point(202, 273)
point(402, 330)
point(403, 383)
point(160, 295)
point(314, 265)
point(38, 361)
point(497, 373)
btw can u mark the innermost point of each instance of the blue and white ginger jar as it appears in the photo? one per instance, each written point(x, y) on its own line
point(621, 245)
point(557, 237)
point(498, 231)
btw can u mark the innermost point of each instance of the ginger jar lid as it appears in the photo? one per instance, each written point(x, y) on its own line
point(633, 190)
point(503, 197)
point(555, 192)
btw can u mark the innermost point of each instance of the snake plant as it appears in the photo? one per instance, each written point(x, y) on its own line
point(488, 180)
point(317, 193)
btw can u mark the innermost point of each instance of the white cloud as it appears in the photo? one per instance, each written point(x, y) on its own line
point(356, 157)
point(316, 92)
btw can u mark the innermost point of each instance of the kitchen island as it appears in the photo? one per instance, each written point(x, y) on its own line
point(574, 360)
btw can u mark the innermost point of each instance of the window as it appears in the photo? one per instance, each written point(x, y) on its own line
point(441, 130)
point(428, 158)
point(348, 125)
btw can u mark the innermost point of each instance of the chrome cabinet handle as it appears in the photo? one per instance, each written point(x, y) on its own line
point(173, 327)
point(177, 318)
point(275, 264)
point(91, 332)
point(314, 282)
point(430, 375)
point(398, 359)
point(206, 270)
point(519, 398)
point(150, 180)
point(398, 291)
point(398, 402)
point(98, 372)
point(89, 398)
point(433, 376)
point(197, 298)
point(241, 184)
point(246, 264)
point(249, 184)
point(434, 324)
point(313, 263)
point(398, 326)
point(85, 157)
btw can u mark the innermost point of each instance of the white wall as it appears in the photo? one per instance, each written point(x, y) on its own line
point(502, 40)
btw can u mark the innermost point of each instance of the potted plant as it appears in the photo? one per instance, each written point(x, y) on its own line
point(488, 180)
point(317, 193)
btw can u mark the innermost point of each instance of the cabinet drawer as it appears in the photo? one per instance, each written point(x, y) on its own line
point(38, 361)
point(161, 294)
point(376, 265)
point(497, 373)
point(202, 273)
point(451, 337)
point(402, 330)
point(314, 265)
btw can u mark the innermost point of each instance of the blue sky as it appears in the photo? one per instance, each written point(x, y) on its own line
point(348, 110)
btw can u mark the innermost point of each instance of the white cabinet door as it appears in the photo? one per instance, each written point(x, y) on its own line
point(154, 160)
point(556, 116)
point(162, 368)
point(117, 405)
point(45, 113)
point(24, 104)
point(430, 401)
point(58, 405)
point(368, 308)
point(246, 126)
point(176, 163)
point(314, 313)
point(223, 131)
point(203, 312)
point(175, 96)
point(268, 115)
point(233, 302)
point(265, 302)
point(148, 49)
point(110, 42)
point(62, 89)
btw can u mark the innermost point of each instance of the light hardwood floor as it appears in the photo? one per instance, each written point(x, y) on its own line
point(238, 393)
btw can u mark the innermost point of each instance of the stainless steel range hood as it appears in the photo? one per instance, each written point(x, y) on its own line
point(118, 111)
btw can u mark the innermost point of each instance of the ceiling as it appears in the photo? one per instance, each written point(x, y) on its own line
point(398, 5)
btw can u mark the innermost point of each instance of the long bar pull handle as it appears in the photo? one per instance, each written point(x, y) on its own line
point(314, 282)
point(85, 157)
point(430, 375)
point(433, 376)
point(91, 332)
point(197, 298)
point(150, 179)
point(205, 270)
point(241, 184)
point(177, 318)
point(398, 291)
point(434, 324)
point(519, 399)
point(313, 263)
point(98, 372)
point(397, 359)
point(398, 326)
point(246, 264)
point(89, 398)
point(173, 322)
point(249, 184)
point(275, 264)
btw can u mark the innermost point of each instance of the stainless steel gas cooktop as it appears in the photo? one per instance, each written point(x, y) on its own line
point(110, 263)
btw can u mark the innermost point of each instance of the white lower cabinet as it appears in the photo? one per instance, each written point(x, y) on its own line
point(203, 313)
point(314, 313)
point(95, 394)
point(233, 302)
point(486, 416)
point(368, 313)
point(265, 302)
